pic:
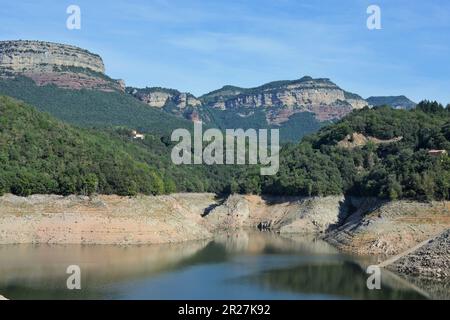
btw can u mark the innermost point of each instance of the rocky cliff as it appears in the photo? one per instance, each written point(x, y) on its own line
point(161, 97)
point(173, 101)
point(62, 65)
point(302, 93)
point(277, 100)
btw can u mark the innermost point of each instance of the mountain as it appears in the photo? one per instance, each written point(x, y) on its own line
point(170, 100)
point(296, 107)
point(41, 154)
point(379, 152)
point(396, 102)
point(305, 94)
point(69, 83)
point(62, 65)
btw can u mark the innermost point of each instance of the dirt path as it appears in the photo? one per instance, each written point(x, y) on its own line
point(405, 253)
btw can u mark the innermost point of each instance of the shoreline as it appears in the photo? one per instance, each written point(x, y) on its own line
point(360, 226)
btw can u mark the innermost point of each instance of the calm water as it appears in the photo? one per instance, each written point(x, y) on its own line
point(235, 266)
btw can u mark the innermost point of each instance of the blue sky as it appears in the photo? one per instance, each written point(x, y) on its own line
point(201, 45)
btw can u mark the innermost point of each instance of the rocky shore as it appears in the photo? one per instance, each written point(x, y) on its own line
point(363, 226)
point(386, 229)
point(109, 219)
point(430, 260)
point(103, 219)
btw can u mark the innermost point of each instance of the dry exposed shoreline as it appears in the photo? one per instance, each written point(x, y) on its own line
point(357, 225)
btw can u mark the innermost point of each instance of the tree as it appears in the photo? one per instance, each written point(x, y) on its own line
point(89, 184)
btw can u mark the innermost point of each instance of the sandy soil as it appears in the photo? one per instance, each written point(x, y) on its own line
point(388, 229)
point(103, 219)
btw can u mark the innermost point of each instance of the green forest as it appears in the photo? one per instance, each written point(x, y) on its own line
point(92, 108)
point(41, 154)
point(402, 169)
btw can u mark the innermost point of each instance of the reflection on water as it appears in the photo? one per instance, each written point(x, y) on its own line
point(335, 278)
point(241, 265)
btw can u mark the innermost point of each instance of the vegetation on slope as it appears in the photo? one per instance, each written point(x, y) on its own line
point(39, 154)
point(402, 169)
point(91, 108)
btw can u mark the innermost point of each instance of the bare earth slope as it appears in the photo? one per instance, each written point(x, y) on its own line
point(387, 229)
point(102, 219)
point(430, 260)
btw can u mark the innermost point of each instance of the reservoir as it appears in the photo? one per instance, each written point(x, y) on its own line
point(241, 265)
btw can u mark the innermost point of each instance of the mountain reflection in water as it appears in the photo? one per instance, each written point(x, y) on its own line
point(241, 265)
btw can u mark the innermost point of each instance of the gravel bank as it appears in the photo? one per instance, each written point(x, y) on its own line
point(431, 260)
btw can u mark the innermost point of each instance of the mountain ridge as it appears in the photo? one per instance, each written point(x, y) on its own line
point(396, 102)
point(296, 107)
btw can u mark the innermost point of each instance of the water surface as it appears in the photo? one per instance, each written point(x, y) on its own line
point(243, 265)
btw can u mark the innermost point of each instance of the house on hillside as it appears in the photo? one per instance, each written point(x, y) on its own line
point(137, 135)
point(437, 153)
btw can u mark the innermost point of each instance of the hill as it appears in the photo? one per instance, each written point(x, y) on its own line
point(378, 152)
point(393, 157)
point(40, 154)
point(296, 107)
point(396, 102)
point(92, 108)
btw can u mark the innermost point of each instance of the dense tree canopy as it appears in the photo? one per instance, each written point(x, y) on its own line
point(39, 154)
point(398, 169)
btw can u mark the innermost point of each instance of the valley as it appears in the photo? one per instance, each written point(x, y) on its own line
point(369, 178)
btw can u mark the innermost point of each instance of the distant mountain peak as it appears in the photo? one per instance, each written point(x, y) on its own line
point(48, 63)
point(396, 102)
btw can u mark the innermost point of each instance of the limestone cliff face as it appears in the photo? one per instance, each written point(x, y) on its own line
point(63, 65)
point(161, 97)
point(282, 99)
point(179, 103)
point(279, 100)
point(39, 56)
point(320, 96)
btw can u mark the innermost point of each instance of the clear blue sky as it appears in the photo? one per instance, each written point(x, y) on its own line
point(201, 45)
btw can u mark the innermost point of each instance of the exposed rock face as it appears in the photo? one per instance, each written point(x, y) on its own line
point(431, 260)
point(108, 219)
point(63, 65)
point(161, 97)
point(232, 214)
point(296, 107)
point(103, 220)
point(184, 100)
point(40, 56)
point(279, 100)
point(389, 228)
point(297, 93)
point(284, 98)
point(290, 215)
point(355, 140)
point(179, 103)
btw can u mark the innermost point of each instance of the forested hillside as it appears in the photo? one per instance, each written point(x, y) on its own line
point(39, 154)
point(397, 164)
point(92, 108)
point(378, 152)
